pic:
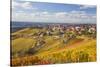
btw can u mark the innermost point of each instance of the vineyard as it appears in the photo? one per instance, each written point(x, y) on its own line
point(52, 50)
point(84, 53)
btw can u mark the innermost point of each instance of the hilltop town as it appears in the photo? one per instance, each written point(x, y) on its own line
point(52, 39)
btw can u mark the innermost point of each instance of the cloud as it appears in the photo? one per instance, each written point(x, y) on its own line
point(87, 6)
point(22, 5)
point(14, 4)
point(67, 17)
point(26, 5)
point(77, 12)
point(21, 12)
point(61, 14)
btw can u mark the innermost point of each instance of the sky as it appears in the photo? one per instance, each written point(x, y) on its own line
point(28, 11)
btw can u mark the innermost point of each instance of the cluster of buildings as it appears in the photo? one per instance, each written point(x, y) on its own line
point(74, 28)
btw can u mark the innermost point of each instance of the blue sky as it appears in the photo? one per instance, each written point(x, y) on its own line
point(52, 12)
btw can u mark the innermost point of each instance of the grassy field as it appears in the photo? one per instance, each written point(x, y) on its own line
point(79, 49)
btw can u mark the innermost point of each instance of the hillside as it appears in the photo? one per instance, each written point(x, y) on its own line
point(78, 49)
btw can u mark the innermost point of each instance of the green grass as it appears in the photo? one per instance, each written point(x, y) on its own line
point(22, 44)
point(26, 31)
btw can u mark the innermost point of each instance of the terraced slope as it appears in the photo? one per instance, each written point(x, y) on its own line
point(79, 49)
point(86, 52)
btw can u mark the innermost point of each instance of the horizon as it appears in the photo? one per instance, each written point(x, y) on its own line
point(48, 22)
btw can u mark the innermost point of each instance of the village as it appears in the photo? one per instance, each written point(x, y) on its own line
point(63, 33)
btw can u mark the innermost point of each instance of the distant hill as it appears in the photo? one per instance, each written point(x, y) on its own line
point(15, 26)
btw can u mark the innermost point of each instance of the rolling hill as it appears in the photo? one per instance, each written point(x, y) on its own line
point(79, 49)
